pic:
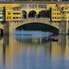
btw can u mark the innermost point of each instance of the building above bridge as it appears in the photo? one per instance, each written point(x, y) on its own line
point(17, 11)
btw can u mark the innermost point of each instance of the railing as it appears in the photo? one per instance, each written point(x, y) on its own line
point(36, 19)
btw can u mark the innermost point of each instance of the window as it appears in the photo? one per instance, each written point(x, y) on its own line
point(57, 17)
point(1, 17)
point(9, 13)
point(14, 13)
point(1, 9)
point(13, 17)
point(58, 9)
point(15, 9)
point(32, 6)
point(55, 13)
point(1, 13)
point(8, 17)
point(18, 13)
point(62, 8)
point(53, 17)
point(16, 17)
point(68, 12)
point(58, 13)
point(65, 17)
point(23, 5)
point(42, 6)
point(62, 17)
point(66, 8)
point(54, 9)
point(62, 12)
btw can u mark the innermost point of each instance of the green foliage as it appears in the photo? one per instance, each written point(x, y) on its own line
point(50, 22)
point(1, 17)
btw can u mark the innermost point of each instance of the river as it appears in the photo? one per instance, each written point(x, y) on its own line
point(34, 52)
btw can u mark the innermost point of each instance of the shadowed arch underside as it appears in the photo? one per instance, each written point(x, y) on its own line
point(35, 26)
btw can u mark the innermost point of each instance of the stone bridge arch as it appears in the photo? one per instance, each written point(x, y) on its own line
point(35, 22)
point(13, 26)
point(39, 20)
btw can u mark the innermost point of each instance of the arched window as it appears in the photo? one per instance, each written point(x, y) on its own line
point(24, 14)
point(32, 14)
point(42, 14)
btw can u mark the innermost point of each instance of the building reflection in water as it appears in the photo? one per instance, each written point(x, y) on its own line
point(19, 52)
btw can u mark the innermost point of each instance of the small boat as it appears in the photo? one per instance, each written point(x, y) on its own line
point(54, 39)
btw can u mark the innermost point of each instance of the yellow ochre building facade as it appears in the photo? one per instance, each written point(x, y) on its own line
point(8, 11)
point(19, 11)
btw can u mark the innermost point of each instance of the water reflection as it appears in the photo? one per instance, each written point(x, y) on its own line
point(34, 53)
point(32, 38)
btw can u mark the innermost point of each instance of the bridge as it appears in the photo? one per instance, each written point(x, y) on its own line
point(9, 27)
point(16, 14)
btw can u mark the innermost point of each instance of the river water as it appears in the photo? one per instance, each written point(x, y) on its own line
point(34, 52)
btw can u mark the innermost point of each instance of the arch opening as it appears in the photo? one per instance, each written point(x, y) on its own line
point(32, 14)
point(38, 27)
point(42, 14)
point(24, 14)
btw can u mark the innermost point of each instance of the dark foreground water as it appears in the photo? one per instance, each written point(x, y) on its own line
point(33, 52)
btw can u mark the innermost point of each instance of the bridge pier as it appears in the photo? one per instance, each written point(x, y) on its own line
point(8, 28)
point(63, 40)
point(63, 27)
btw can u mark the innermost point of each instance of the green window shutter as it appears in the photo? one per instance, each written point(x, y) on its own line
point(1, 17)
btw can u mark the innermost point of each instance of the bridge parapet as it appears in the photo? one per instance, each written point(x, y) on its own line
point(37, 19)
